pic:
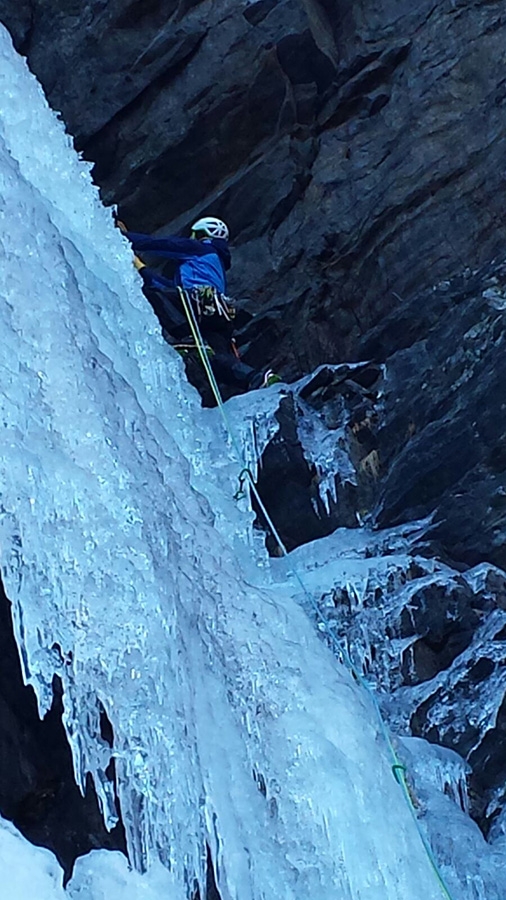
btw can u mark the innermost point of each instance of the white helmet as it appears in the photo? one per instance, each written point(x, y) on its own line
point(214, 228)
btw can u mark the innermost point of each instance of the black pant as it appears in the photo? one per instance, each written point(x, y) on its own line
point(230, 372)
point(228, 369)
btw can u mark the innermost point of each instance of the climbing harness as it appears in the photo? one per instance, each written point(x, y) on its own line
point(209, 302)
point(185, 347)
point(398, 768)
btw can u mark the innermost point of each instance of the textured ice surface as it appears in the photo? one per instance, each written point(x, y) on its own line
point(133, 577)
point(102, 875)
point(26, 871)
point(345, 571)
point(437, 776)
point(324, 449)
point(32, 873)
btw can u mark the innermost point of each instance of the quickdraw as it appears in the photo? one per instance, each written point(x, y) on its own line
point(244, 476)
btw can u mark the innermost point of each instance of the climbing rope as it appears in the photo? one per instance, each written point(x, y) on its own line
point(398, 768)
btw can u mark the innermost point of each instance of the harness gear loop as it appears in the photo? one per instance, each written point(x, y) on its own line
point(209, 302)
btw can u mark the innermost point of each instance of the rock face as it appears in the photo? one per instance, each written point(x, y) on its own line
point(428, 435)
point(441, 438)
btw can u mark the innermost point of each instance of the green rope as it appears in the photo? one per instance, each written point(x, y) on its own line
point(398, 769)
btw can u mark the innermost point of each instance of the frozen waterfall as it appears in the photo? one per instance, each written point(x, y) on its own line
point(134, 578)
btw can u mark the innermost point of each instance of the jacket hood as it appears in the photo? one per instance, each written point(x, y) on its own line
point(221, 247)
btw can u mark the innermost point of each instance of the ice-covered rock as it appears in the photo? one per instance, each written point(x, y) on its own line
point(32, 872)
point(27, 871)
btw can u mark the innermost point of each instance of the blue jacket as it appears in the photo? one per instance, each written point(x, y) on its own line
point(200, 262)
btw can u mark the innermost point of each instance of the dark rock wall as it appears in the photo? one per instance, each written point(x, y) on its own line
point(429, 439)
point(443, 421)
point(354, 147)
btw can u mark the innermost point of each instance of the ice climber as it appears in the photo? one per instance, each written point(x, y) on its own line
point(202, 262)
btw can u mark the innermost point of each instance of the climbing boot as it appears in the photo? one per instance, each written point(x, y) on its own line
point(270, 378)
